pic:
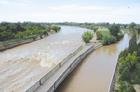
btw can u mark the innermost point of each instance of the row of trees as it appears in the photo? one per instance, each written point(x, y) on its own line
point(25, 30)
point(109, 34)
point(128, 69)
point(106, 32)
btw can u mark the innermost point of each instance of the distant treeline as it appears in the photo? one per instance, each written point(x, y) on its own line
point(104, 24)
point(25, 30)
point(106, 32)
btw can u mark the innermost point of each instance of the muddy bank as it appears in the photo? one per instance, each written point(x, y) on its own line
point(12, 45)
point(21, 42)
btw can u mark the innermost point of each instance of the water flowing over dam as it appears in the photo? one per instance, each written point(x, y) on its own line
point(22, 66)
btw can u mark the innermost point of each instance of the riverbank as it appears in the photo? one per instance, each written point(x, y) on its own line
point(94, 74)
point(14, 43)
point(126, 76)
point(31, 78)
point(21, 66)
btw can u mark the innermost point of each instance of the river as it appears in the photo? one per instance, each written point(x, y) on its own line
point(94, 74)
point(22, 66)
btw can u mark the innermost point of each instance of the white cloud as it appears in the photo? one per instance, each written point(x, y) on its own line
point(97, 13)
point(73, 12)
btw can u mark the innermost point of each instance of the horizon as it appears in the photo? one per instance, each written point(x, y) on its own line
point(80, 11)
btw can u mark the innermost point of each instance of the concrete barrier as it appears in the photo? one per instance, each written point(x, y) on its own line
point(61, 71)
point(52, 71)
point(73, 66)
point(49, 74)
point(112, 84)
point(70, 55)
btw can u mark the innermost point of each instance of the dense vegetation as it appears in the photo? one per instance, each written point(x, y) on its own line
point(87, 36)
point(107, 33)
point(128, 68)
point(105, 36)
point(26, 30)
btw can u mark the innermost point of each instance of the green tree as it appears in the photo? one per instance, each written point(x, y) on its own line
point(114, 29)
point(133, 44)
point(55, 28)
point(125, 87)
point(87, 36)
point(132, 26)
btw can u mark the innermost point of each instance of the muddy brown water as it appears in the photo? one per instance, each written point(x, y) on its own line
point(94, 74)
point(22, 66)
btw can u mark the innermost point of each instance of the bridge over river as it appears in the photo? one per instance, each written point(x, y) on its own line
point(22, 66)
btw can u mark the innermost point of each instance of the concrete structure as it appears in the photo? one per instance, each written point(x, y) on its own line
point(51, 81)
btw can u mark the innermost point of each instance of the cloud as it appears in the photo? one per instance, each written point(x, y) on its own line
point(69, 12)
point(78, 8)
point(97, 13)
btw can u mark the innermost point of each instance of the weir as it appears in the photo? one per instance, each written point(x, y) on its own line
point(52, 80)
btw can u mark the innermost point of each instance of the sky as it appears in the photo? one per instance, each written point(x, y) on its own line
point(118, 11)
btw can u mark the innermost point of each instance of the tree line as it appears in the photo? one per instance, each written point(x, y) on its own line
point(128, 67)
point(25, 30)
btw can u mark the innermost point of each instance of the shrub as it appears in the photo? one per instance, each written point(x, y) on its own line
point(114, 29)
point(55, 28)
point(87, 36)
point(125, 87)
point(99, 35)
point(108, 40)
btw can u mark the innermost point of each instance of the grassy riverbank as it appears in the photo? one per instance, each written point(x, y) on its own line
point(14, 34)
point(128, 68)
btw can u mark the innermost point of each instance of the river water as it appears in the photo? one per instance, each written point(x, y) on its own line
point(22, 66)
point(94, 74)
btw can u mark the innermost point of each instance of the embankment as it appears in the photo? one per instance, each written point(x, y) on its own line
point(12, 44)
point(51, 80)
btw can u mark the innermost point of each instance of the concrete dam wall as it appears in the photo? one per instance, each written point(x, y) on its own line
point(52, 80)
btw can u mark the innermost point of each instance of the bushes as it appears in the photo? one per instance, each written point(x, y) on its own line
point(104, 35)
point(125, 87)
point(10, 31)
point(87, 36)
point(55, 28)
point(114, 29)
point(128, 67)
point(108, 40)
point(109, 35)
point(128, 71)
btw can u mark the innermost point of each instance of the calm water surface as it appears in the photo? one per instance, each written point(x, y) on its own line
point(94, 74)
